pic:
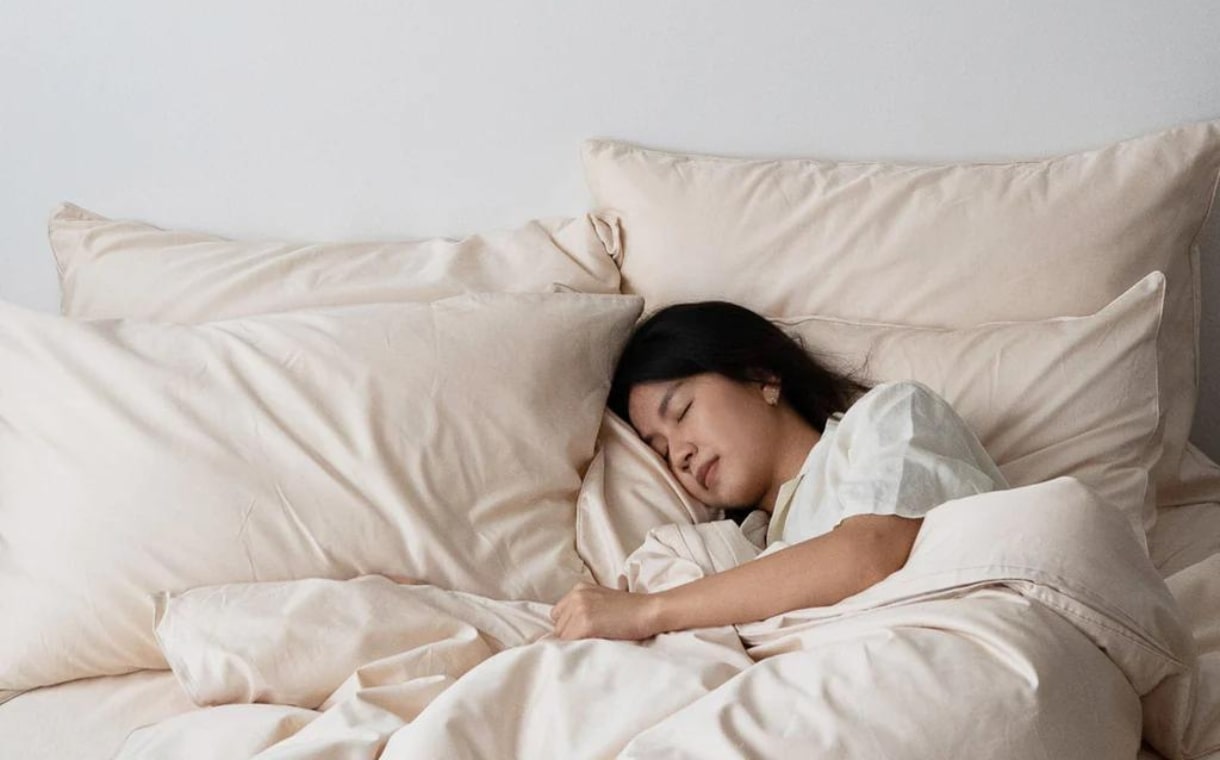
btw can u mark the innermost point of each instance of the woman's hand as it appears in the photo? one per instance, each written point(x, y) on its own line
point(589, 611)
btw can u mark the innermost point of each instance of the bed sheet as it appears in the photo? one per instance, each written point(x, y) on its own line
point(91, 718)
point(88, 719)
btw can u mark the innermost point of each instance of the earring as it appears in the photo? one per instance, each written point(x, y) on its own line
point(771, 395)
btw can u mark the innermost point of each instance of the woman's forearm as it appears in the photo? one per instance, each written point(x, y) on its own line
point(817, 572)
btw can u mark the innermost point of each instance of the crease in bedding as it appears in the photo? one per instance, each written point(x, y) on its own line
point(1032, 615)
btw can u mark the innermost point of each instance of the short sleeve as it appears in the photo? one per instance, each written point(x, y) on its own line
point(904, 450)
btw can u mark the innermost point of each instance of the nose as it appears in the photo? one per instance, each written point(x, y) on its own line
point(681, 455)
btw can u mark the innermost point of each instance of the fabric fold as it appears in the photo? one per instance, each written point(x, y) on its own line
point(1031, 613)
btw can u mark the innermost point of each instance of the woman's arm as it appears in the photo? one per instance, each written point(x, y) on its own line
point(817, 572)
point(813, 573)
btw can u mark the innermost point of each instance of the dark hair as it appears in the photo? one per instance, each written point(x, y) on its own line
point(716, 336)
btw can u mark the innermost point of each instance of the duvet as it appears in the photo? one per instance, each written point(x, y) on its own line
point(1027, 623)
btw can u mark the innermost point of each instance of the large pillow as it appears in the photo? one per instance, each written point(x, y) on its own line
point(114, 268)
point(1064, 396)
point(441, 441)
point(1071, 396)
point(948, 246)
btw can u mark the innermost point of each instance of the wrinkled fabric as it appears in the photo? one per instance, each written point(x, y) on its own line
point(1032, 611)
point(900, 449)
point(112, 268)
point(440, 441)
point(1068, 396)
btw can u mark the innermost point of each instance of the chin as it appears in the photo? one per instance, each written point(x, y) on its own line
point(730, 502)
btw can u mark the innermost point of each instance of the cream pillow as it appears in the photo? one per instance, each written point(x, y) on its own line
point(441, 441)
point(948, 246)
point(114, 268)
point(627, 491)
point(1063, 396)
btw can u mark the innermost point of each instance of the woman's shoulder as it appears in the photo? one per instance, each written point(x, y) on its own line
point(895, 397)
point(899, 410)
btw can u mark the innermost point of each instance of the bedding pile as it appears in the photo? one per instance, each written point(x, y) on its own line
point(1027, 623)
point(284, 499)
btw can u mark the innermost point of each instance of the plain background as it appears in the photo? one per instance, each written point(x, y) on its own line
point(397, 119)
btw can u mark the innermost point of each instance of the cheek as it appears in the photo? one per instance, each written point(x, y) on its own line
point(745, 468)
point(742, 475)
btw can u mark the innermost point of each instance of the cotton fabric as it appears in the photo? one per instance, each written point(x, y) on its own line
point(440, 441)
point(1067, 396)
point(112, 268)
point(1010, 598)
point(900, 449)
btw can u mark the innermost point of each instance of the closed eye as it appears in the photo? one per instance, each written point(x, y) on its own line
point(684, 411)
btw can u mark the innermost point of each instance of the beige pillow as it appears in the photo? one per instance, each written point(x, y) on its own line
point(1063, 396)
point(627, 491)
point(114, 268)
point(948, 246)
point(441, 441)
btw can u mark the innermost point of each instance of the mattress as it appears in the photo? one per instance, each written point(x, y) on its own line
point(91, 718)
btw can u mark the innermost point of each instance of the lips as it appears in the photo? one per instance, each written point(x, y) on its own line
point(703, 471)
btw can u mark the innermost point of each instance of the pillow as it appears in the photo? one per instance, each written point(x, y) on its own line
point(1070, 396)
point(1063, 396)
point(627, 490)
point(442, 441)
point(109, 268)
point(946, 246)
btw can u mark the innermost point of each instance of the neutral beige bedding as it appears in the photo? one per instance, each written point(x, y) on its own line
point(951, 244)
point(1044, 634)
point(1185, 536)
point(91, 719)
point(87, 719)
point(1015, 612)
point(127, 268)
point(381, 438)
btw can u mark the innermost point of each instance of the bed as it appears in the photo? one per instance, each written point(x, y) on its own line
point(307, 518)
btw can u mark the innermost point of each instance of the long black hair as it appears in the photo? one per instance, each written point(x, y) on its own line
point(717, 336)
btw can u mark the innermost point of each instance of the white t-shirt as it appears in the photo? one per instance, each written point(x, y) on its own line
point(900, 449)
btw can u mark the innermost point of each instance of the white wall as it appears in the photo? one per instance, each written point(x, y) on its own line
point(315, 119)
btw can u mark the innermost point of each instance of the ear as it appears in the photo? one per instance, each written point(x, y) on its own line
point(768, 384)
point(770, 392)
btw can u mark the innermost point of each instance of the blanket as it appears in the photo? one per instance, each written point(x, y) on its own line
point(1025, 623)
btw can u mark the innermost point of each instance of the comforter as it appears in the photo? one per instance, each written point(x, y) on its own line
point(1026, 623)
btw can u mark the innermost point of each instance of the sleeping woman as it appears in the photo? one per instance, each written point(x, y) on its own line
point(747, 419)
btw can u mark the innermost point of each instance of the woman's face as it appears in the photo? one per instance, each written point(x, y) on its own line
point(718, 435)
